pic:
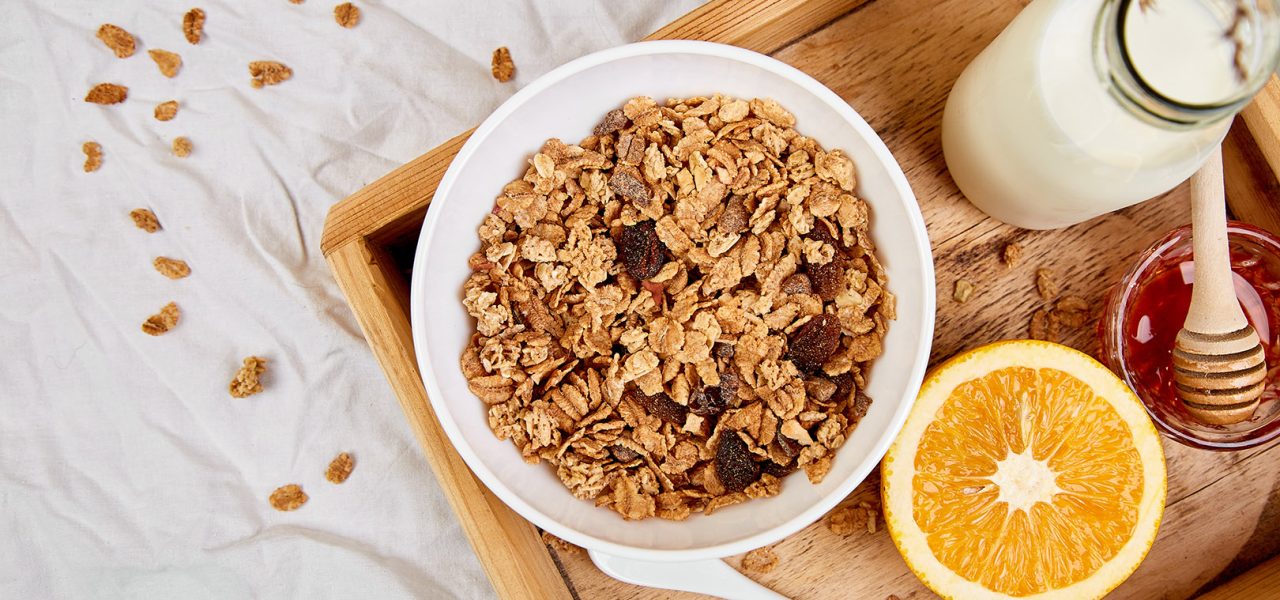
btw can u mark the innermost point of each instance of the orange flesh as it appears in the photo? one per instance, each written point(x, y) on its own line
point(1082, 440)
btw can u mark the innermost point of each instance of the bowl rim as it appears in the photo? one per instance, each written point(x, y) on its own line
point(913, 378)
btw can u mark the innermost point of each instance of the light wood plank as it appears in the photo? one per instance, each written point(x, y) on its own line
point(1263, 581)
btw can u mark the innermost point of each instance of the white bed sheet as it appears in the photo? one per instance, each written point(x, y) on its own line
point(126, 469)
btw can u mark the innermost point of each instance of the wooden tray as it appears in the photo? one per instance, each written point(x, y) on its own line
point(893, 60)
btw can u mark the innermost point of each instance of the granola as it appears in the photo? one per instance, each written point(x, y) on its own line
point(168, 62)
point(162, 321)
point(288, 497)
point(502, 66)
point(340, 468)
point(120, 42)
point(268, 72)
point(107, 93)
point(246, 382)
point(166, 111)
point(92, 156)
point(680, 310)
point(346, 14)
point(760, 560)
point(145, 220)
point(171, 267)
point(193, 25)
point(181, 147)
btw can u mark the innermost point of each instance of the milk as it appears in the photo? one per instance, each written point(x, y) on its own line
point(1034, 137)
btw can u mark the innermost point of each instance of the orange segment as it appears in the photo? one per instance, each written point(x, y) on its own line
point(1026, 469)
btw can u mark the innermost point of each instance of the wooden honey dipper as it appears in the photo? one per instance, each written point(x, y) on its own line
point(1218, 363)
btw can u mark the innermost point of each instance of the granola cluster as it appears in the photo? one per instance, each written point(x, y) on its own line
point(680, 310)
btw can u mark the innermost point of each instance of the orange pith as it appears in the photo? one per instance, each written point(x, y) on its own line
point(1076, 481)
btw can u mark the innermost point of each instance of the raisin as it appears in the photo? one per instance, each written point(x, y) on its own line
point(728, 388)
point(623, 453)
point(661, 406)
point(815, 342)
point(626, 182)
point(724, 350)
point(827, 281)
point(707, 402)
point(789, 448)
point(778, 470)
point(735, 217)
point(643, 254)
point(613, 121)
point(797, 283)
point(844, 387)
point(734, 466)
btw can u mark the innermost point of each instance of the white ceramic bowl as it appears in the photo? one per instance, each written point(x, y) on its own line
point(567, 103)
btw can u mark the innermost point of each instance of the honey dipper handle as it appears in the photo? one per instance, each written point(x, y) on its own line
point(1214, 308)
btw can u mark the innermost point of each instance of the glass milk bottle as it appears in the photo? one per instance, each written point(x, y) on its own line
point(1082, 107)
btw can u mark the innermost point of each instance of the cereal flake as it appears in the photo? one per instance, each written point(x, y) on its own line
point(346, 14)
point(502, 66)
point(107, 93)
point(268, 72)
point(145, 220)
point(171, 267)
point(193, 25)
point(288, 497)
point(118, 40)
point(246, 382)
point(162, 321)
point(168, 62)
point(92, 156)
point(166, 111)
point(340, 468)
point(760, 560)
point(181, 147)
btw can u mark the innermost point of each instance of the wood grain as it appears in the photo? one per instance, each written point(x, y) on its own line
point(893, 61)
point(1262, 581)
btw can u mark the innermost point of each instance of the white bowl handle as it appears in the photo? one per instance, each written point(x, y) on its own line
point(712, 577)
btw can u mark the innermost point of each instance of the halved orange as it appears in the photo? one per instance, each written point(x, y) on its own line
point(1025, 470)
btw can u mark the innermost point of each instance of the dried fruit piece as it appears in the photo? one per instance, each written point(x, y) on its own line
point(760, 560)
point(145, 220)
point(168, 62)
point(707, 401)
point(346, 14)
point(613, 121)
point(288, 497)
point(502, 66)
point(166, 111)
point(1011, 254)
point(246, 381)
point(734, 466)
point(171, 267)
point(193, 25)
point(1046, 284)
point(107, 93)
point(662, 406)
point(181, 147)
point(628, 184)
point(340, 468)
point(268, 72)
point(162, 321)
point(814, 342)
point(963, 290)
point(118, 40)
point(643, 254)
point(92, 156)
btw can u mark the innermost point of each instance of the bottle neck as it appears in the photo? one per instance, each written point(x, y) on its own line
point(1146, 50)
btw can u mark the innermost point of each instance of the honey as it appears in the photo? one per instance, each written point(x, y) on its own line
point(1146, 312)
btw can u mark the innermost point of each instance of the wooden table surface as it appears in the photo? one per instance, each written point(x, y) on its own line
point(894, 62)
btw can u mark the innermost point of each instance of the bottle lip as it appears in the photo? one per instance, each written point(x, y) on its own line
point(1135, 93)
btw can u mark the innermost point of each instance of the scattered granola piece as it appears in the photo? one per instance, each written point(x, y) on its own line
point(346, 14)
point(1011, 254)
point(1039, 325)
point(844, 520)
point(297, 1)
point(107, 93)
point(288, 497)
point(171, 267)
point(340, 468)
point(1046, 284)
point(963, 290)
point(559, 545)
point(92, 156)
point(118, 40)
point(166, 111)
point(268, 72)
point(1073, 310)
point(1053, 331)
point(892, 597)
point(145, 220)
point(246, 381)
point(181, 147)
point(193, 25)
point(168, 62)
point(503, 67)
point(760, 560)
point(162, 321)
